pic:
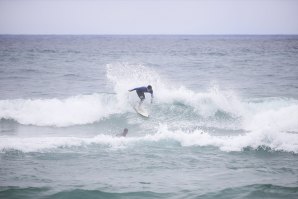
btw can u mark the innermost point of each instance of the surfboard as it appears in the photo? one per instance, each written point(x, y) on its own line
point(141, 111)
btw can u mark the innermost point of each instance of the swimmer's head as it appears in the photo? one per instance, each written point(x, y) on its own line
point(125, 131)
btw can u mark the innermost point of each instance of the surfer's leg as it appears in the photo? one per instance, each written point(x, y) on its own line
point(141, 96)
point(141, 102)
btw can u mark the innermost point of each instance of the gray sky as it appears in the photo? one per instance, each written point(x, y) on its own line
point(148, 17)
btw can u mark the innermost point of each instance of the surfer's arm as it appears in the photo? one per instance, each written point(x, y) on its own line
point(132, 89)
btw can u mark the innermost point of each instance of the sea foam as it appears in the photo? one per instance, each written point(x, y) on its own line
point(277, 141)
point(76, 110)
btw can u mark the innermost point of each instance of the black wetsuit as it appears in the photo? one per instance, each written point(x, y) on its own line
point(141, 90)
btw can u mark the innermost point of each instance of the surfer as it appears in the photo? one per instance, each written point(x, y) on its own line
point(123, 134)
point(141, 90)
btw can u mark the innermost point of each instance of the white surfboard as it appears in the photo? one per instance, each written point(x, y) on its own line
point(141, 111)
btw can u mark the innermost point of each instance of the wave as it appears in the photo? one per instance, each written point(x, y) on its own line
point(125, 76)
point(275, 141)
point(248, 191)
point(268, 122)
point(250, 114)
point(23, 192)
point(45, 192)
point(76, 110)
point(101, 194)
point(86, 109)
point(269, 191)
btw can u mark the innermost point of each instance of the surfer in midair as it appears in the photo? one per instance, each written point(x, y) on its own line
point(141, 90)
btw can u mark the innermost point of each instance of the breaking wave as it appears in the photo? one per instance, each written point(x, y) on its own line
point(277, 141)
point(269, 122)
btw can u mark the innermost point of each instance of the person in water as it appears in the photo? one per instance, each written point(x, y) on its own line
point(123, 134)
point(141, 90)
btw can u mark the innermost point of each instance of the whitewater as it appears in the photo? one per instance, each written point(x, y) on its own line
point(269, 123)
point(220, 125)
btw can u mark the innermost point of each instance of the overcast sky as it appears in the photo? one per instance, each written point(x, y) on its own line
point(148, 17)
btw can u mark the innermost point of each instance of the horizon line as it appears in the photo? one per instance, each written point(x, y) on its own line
point(54, 34)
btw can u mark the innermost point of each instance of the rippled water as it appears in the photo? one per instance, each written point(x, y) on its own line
point(223, 123)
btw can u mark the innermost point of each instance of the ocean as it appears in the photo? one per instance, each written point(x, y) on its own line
point(223, 122)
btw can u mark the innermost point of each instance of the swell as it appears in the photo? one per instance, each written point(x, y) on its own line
point(44, 192)
point(253, 191)
point(269, 191)
point(79, 193)
point(19, 192)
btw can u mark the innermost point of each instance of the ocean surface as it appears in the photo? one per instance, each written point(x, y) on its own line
point(223, 122)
